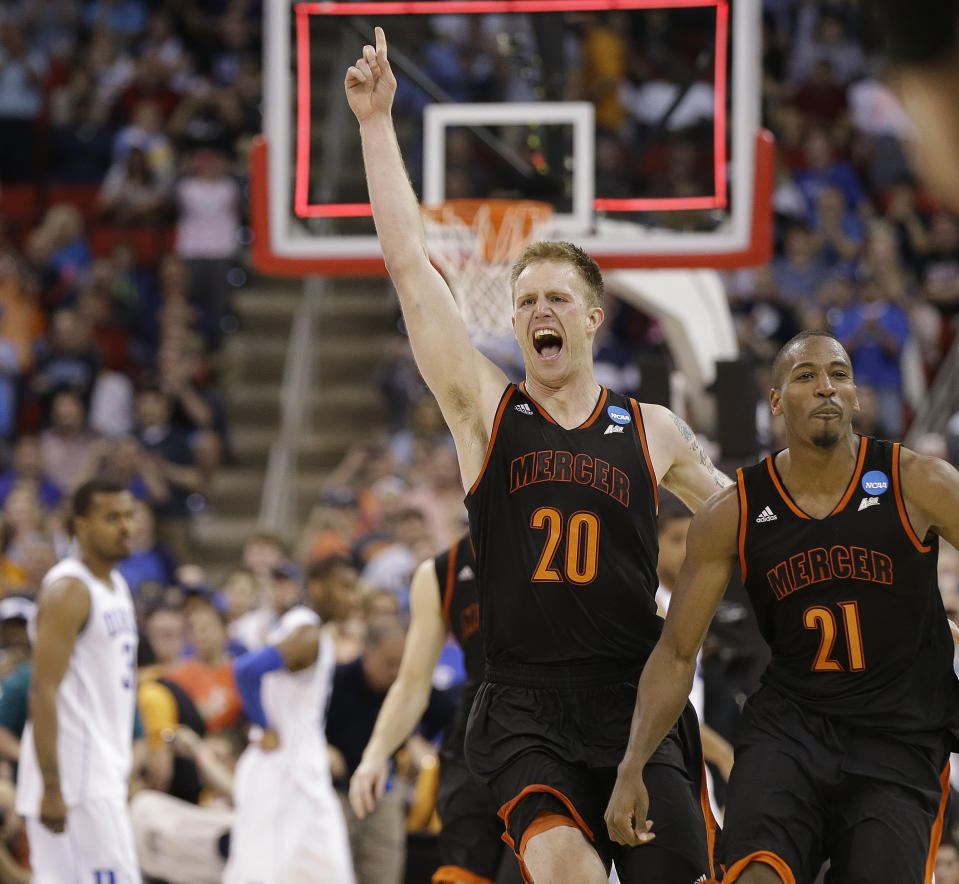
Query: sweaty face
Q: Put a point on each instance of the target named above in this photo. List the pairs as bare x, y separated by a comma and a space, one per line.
552, 319
816, 393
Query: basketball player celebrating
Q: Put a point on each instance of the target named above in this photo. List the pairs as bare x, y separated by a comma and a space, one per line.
443, 596
842, 753
289, 826
77, 745
562, 477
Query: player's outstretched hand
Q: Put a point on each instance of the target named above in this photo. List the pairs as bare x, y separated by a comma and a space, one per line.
954, 629
367, 786
370, 84
626, 813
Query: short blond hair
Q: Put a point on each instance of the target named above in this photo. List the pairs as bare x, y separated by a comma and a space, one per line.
563, 252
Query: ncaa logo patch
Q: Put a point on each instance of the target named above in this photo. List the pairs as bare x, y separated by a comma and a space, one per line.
618, 415
875, 482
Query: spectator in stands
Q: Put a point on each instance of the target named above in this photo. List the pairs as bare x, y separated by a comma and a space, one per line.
839, 233
130, 193
27, 469
821, 169
262, 552
284, 591
237, 596
165, 632
207, 677
207, 236
825, 40
68, 362
874, 331
207, 118
59, 251
68, 443
947, 863
127, 18
392, 565
145, 131
799, 271
21, 102
378, 842
174, 455
149, 561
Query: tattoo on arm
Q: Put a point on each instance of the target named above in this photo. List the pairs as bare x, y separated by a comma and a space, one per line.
721, 479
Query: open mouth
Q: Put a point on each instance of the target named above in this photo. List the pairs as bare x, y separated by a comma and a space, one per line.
547, 343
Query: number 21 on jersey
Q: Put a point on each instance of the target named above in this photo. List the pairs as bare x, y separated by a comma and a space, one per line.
579, 535
822, 618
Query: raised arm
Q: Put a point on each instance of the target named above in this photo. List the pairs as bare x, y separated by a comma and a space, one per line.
63, 611
466, 384
409, 694
711, 550
680, 463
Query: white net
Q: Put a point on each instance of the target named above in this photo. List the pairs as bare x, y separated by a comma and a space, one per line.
474, 243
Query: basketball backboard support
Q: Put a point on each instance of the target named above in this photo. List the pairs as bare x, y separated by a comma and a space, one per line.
283, 208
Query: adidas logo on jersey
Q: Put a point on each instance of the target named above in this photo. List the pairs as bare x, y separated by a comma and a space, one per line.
612, 428
867, 502
767, 515
523, 408
466, 573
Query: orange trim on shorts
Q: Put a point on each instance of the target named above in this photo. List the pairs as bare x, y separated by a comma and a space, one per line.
743, 513
854, 482
492, 436
450, 581
936, 835
641, 428
712, 827
782, 491
777, 863
901, 505
543, 822
458, 875
507, 809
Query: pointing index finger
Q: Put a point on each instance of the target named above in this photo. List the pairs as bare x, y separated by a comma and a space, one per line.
380, 41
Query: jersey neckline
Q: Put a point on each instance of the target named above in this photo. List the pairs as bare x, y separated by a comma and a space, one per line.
843, 501
600, 402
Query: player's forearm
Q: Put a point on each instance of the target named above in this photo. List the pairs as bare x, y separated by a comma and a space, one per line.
663, 690
9, 745
396, 210
43, 714
401, 711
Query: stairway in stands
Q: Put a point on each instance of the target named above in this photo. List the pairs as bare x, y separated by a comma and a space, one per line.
354, 321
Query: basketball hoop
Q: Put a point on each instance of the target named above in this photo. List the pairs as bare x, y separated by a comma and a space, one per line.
474, 242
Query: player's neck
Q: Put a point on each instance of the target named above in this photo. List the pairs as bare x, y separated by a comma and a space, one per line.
98, 566
811, 466
569, 404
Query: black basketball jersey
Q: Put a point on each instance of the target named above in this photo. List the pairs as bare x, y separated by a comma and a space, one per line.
563, 524
459, 596
849, 604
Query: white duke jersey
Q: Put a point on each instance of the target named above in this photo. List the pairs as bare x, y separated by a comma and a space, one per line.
95, 700
295, 704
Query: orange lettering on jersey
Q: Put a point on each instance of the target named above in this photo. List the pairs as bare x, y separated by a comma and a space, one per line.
837, 563
469, 621
563, 466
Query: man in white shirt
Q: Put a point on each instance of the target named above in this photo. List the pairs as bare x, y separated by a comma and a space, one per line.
77, 746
